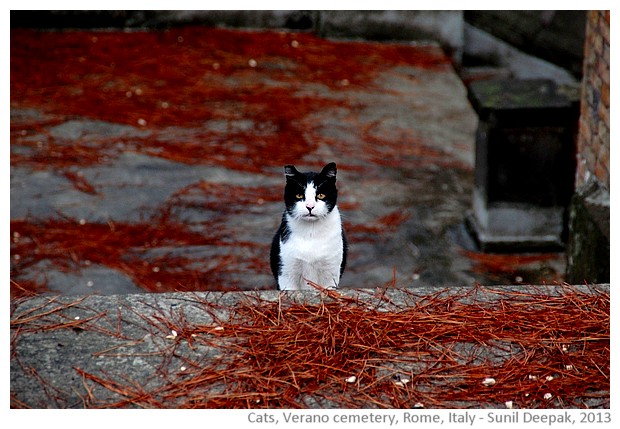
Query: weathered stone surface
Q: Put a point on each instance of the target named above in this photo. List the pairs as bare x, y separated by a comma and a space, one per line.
525, 163
61, 344
589, 243
557, 36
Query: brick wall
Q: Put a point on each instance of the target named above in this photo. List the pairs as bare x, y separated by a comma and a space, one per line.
593, 140
588, 250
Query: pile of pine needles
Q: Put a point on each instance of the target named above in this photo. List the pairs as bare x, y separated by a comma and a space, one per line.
477, 347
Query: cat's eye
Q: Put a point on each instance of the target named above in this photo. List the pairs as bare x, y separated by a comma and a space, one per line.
299, 196
320, 196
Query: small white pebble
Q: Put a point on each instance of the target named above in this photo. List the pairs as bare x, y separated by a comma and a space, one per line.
165, 104
418, 405
509, 405
548, 396
90, 283
252, 62
351, 379
532, 377
82, 221
295, 44
141, 122
569, 367
518, 279
401, 381
488, 381
549, 378
138, 91
155, 269
218, 328
183, 368
77, 317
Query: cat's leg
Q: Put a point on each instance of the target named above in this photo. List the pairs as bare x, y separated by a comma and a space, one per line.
285, 283
332, 282
291, 277
332, 273
327, 279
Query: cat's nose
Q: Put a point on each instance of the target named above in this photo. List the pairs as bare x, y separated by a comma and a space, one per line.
309, 205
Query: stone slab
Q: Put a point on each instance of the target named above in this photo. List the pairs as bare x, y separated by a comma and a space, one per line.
127, 338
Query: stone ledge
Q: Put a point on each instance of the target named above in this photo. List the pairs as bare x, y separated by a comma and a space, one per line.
77, 351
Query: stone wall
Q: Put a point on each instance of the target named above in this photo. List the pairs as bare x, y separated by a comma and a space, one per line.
556, 36
588, 253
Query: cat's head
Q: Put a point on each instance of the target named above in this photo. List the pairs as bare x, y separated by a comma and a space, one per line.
310, 196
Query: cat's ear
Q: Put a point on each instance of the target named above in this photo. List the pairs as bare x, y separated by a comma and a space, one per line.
329, 170
290, 171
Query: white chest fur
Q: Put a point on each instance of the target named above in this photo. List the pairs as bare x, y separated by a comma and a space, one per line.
312, 252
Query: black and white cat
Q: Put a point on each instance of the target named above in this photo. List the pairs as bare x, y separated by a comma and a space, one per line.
310, 244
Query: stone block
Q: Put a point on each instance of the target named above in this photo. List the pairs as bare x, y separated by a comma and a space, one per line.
588, 257
525, 163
